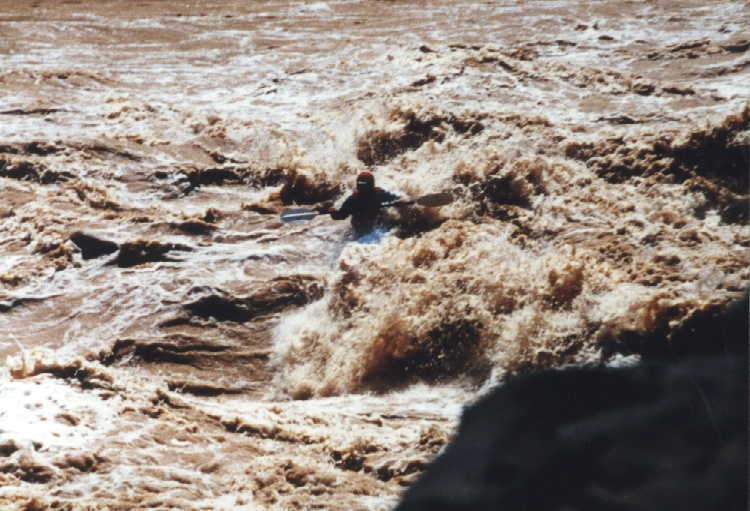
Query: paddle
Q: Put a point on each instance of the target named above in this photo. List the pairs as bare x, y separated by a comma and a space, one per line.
432, 200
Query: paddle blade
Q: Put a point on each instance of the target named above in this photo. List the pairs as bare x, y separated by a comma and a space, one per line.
296, 215
433, 200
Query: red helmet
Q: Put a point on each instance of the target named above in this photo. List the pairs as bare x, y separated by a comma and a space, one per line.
365, 181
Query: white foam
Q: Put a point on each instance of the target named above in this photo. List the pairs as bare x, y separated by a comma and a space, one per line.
32, 410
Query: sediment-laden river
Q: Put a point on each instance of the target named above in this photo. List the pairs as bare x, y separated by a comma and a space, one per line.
172, 344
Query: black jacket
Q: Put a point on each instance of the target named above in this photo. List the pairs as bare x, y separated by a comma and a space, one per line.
364, 209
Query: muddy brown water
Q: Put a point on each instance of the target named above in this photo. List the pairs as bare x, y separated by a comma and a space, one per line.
198, 353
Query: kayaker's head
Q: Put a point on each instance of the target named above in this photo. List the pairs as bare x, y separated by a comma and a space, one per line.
365, 183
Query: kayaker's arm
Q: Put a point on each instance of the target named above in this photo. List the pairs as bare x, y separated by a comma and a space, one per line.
344, 211
388, 198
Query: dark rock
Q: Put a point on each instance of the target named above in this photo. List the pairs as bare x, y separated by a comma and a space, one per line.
626, 439
92, 246
659, 436
134, 253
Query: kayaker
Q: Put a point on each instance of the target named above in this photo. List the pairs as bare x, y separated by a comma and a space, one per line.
364, 205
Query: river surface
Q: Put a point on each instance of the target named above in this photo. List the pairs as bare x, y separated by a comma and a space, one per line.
169, 343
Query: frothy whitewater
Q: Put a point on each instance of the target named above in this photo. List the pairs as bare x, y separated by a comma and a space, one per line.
171, 344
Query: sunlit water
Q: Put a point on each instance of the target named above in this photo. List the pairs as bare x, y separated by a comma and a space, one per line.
244, 363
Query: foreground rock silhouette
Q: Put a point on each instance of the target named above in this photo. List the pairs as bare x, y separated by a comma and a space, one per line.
664, 435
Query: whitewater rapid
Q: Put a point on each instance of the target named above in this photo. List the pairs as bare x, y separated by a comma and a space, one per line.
169, 343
